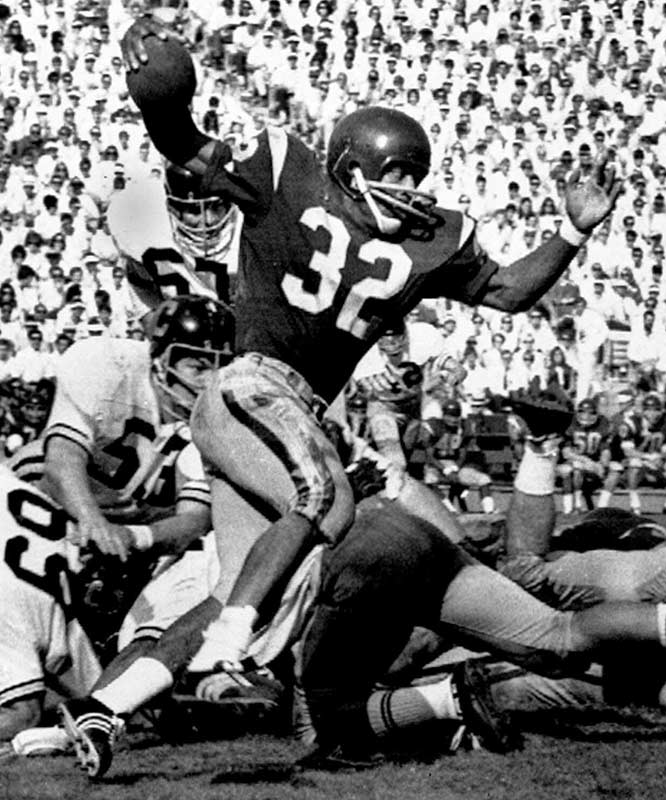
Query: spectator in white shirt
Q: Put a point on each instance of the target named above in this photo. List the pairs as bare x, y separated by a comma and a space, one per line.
6, 360
646, 350
31, 363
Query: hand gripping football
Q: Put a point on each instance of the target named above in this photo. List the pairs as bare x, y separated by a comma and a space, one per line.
167, 77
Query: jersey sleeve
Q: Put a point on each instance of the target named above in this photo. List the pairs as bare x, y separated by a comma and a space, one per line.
191, 482
468, 271
80, 380
252, 182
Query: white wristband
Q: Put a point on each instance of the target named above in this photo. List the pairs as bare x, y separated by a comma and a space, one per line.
143, 536
570, 233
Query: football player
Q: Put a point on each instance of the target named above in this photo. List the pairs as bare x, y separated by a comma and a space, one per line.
325, 260
119, 423
176, 238
647, 460
41, 639
585, 454
455, 457
391, 376
63, 604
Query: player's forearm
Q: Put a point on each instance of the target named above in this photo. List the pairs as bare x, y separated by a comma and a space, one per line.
175, 135
174, 534
66, 478
518, 286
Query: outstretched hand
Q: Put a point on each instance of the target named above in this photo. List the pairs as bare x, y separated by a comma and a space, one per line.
589, 201
132, 44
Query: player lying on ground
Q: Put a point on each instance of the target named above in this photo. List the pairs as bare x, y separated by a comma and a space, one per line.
391, 573
326, 260
61, 602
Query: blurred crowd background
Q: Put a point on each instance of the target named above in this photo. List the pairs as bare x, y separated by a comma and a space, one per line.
514, 96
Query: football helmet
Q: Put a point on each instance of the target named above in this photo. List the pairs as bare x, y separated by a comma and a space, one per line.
451, 414
203, 224
368, 143
393, 342
190, 336
653, 408
587, 413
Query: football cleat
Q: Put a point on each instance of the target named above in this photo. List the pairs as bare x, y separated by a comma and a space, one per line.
483, 719
545, 414
93, 729
258, 686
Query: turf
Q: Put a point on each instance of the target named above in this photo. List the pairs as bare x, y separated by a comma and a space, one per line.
602, 761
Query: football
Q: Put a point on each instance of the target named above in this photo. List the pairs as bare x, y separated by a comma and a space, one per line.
167, 77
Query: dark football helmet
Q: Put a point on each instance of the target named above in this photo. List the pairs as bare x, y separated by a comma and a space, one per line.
451, 414
653, 408
587, 413
393, 342
190, 336
203, 225
368, 143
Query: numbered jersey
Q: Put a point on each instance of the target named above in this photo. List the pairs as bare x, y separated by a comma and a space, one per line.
105, 403
156, 267
589, 441
314, 286
652, 438
41, 641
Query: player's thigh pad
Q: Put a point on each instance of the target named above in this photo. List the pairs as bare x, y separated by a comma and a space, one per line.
258, 434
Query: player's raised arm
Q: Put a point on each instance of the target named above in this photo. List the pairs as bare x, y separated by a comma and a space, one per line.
161, 81
588, 202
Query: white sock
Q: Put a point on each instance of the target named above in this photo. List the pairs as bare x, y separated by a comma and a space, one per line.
604, 498
140, 682
634, 501
536, 473
442, 698
488, 505
567, 503
226, 639
578, 499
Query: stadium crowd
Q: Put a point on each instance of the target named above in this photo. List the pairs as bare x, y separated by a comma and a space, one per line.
513, 96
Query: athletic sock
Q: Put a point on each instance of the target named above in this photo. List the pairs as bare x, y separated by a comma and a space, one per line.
634, 501
140, 682
402, 708
604, 498
567, 503
578, 499
536, 473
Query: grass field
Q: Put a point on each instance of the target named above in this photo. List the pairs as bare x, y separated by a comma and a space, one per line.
601, 760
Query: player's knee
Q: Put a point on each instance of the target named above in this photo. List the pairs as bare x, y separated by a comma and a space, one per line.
565, 470
616, 467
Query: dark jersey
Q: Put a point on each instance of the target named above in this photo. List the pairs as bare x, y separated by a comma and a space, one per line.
314, 286
652, 438
589, 441
624, 429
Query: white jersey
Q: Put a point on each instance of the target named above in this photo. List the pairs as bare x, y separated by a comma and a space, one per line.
105, 403
41, 641
156, 267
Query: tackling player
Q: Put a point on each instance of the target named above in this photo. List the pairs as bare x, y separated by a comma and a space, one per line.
326, 259
176, 239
